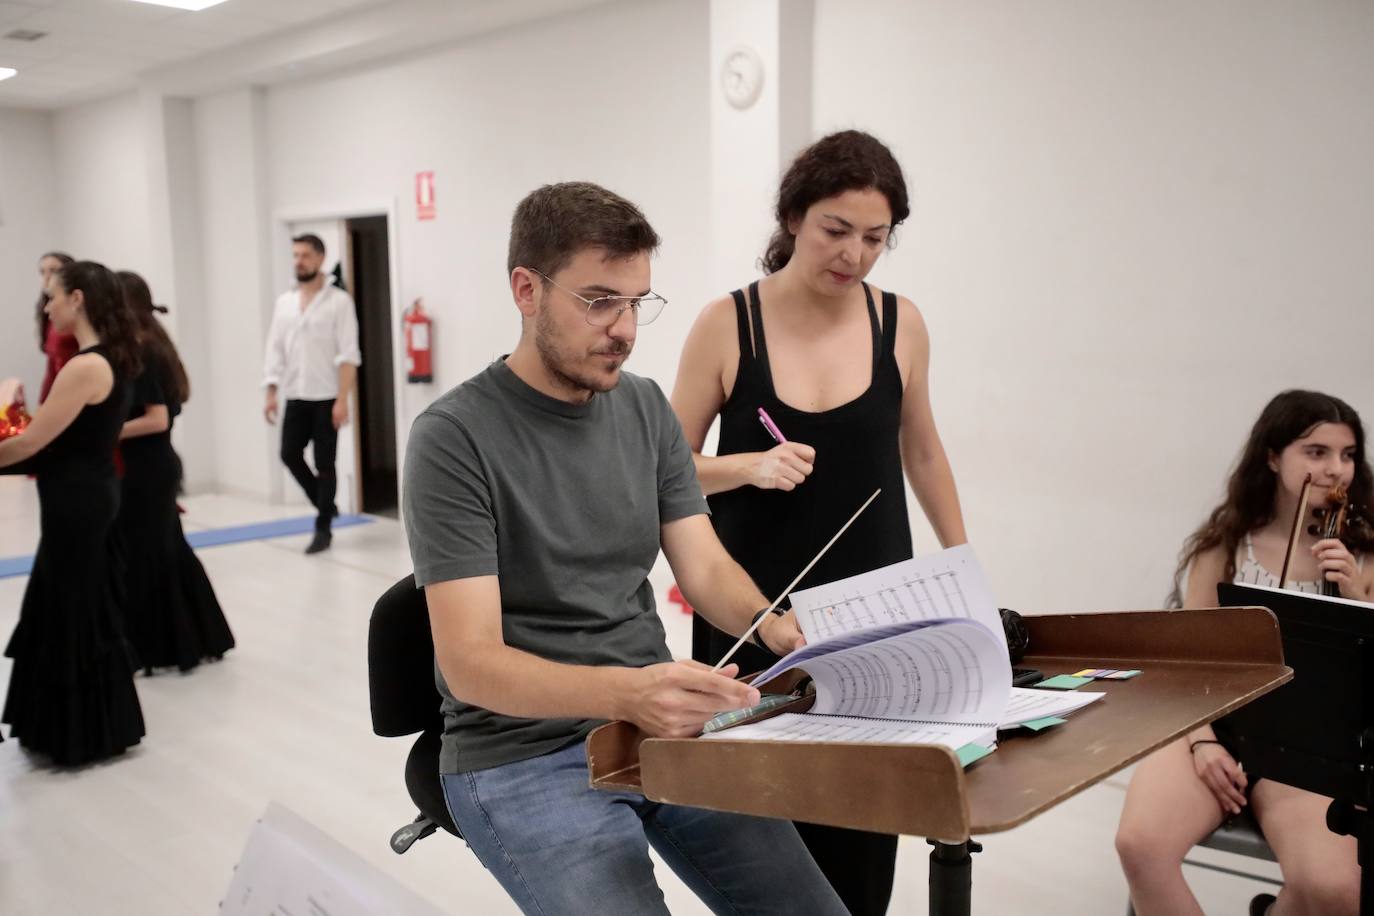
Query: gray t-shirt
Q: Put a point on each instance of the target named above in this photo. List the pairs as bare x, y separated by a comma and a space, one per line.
563, 503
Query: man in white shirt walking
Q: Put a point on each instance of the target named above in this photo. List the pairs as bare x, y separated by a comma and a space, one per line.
313, 357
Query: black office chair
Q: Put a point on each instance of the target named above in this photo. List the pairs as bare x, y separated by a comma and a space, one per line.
400, 683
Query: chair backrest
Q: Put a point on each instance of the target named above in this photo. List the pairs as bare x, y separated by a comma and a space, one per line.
400, 663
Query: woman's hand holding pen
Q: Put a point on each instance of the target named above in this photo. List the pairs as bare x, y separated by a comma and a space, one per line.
782, 467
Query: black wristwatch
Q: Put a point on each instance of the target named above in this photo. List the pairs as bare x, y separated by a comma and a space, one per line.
757, 636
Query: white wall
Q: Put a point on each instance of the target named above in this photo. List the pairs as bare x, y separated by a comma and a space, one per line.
493, 119
614, 95
234, 230
28, 227
747, 149
174, 272
102, 181
1133, 224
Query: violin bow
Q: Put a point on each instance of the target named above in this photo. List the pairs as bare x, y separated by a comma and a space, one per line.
785, 592
1297, 527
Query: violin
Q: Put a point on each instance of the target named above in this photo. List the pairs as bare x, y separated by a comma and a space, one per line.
1339, 519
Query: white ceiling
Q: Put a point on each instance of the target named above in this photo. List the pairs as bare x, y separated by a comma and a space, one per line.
95, 48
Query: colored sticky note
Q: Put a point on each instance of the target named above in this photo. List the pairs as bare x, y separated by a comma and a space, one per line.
1064, 682
971, 752
1107, 674
1039, 725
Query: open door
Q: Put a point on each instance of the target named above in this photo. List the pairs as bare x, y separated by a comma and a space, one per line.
357, 258
370, 275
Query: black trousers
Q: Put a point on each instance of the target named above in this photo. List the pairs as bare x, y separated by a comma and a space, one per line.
312, 422
860, 865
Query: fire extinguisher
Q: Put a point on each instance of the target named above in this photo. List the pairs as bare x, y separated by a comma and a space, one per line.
417, 326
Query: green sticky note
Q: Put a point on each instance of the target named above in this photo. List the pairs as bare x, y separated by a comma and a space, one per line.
1124, 675
1038, 725
972, 752
1065, 682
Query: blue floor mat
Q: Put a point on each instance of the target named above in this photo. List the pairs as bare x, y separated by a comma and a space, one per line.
216, 537
15, 566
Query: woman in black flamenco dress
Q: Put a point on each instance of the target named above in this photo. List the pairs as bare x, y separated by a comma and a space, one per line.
170, 608
71, 692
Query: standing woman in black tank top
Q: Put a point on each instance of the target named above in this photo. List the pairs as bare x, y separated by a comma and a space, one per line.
71, 693
841, 368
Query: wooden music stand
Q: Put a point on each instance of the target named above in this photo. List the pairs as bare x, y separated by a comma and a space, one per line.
1198, 665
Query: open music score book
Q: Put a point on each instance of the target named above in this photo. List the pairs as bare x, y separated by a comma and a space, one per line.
913, 653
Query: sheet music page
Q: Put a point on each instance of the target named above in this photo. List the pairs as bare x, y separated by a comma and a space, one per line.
834, 644
1027, 704
954, 672
947, 584
791, 726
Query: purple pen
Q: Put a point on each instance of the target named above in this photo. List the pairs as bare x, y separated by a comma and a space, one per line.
772, 427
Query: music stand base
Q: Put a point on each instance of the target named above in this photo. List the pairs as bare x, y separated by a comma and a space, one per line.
951, 877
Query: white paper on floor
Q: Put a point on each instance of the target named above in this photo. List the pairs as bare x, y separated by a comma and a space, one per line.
292, 868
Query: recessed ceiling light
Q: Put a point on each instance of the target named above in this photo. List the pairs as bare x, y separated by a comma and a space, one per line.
7, 72
193, 5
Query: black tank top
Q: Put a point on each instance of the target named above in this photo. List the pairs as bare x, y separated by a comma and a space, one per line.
773, 533
85, 449
148, 389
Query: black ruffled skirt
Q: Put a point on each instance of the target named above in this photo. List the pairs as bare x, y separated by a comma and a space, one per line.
170, 609
71, 693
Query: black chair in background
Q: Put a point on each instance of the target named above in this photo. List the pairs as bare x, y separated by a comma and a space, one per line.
404, 699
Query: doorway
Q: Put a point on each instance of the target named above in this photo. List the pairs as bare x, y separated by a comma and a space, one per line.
370, 270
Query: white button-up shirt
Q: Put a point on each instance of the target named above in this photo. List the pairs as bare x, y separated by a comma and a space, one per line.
306, 348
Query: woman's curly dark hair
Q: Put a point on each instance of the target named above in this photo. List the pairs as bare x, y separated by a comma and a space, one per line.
107, 312
850, 160
153, 337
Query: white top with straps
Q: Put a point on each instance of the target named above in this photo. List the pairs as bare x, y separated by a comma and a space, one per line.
1249, 571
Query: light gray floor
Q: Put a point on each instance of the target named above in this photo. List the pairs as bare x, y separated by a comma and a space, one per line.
285, 717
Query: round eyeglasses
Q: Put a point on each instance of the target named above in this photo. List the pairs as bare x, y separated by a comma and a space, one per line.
604, 311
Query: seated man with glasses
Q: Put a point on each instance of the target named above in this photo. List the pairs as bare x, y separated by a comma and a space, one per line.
537, 496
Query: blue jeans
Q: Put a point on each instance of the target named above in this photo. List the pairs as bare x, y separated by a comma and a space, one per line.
561, 848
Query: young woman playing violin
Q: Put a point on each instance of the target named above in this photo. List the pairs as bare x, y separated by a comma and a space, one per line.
1183, 792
